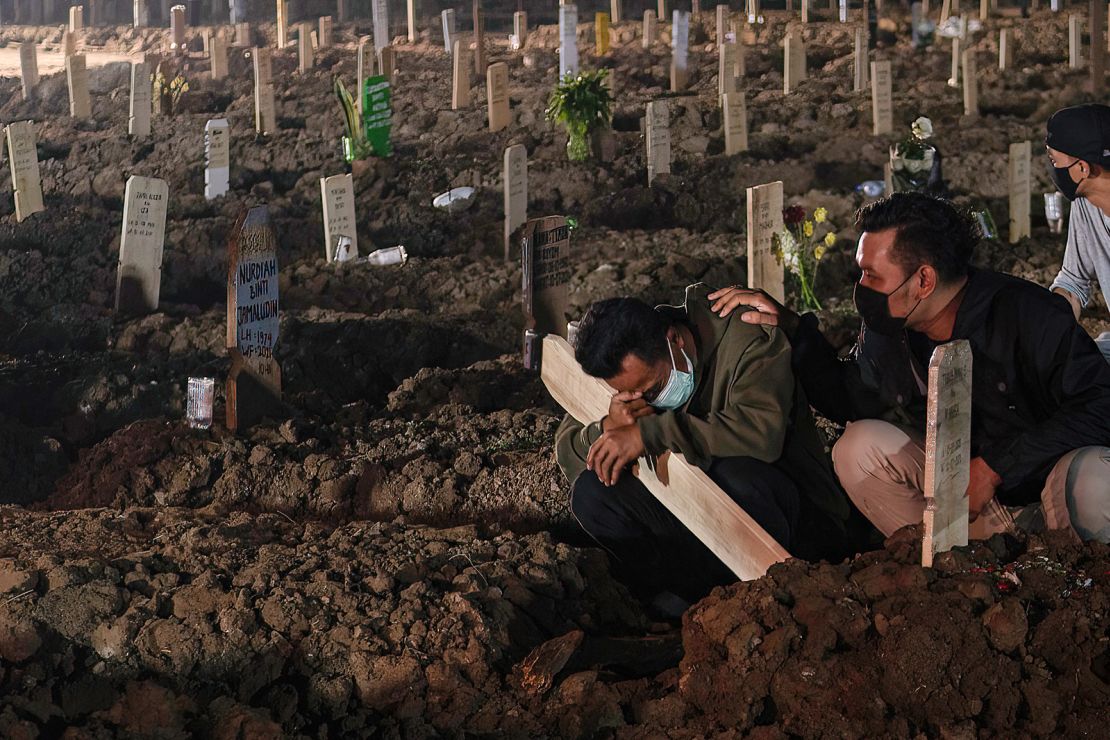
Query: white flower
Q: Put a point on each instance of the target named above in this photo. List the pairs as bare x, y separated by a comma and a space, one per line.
922, 128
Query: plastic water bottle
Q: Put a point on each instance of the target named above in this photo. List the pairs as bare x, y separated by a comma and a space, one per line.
202, 392
388, 256
871, 188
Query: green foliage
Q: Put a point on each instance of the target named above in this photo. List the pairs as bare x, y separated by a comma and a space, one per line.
581, 104
358, 145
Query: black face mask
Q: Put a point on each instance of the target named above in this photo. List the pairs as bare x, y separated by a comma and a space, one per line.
1062, 177
874, 309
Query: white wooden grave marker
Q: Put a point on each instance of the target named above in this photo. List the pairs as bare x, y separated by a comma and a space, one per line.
520, 28
728, 59
616, 14
139, 277
735, 122
650, 29
337, 193
882, 106
380, 12
253, 319
282, 25
1020, 189
23, 159
217, 156
410, 16
448, 19
947, 450
568, 41
28, 67
658, 125
862, 61
1005, 50
515, 187
217, 53
765, 270
460, 79
77, 80
497, 95
177, 29
138, 119
794, 62
680, 49
306, 60
1075, 41
265, 111
971, 84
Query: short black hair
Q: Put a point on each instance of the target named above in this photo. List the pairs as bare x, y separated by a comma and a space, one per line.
931, 231
614, 328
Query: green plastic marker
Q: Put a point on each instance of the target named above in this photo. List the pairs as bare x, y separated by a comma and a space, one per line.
377, 114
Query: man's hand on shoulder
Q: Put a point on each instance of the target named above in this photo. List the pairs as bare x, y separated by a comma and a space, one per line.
981, 487
624, 409
765, 309
613, 452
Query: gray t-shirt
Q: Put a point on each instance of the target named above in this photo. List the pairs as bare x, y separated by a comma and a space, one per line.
1087, 258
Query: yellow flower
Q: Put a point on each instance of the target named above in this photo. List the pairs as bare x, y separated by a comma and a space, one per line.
807, 229
830, 239
820, 215
819, 252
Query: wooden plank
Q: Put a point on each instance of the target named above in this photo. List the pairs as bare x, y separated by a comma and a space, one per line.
688, 492
947, 450
1021, 155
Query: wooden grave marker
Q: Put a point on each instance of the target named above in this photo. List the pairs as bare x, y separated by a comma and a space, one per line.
658, 139
735, 117
661, 9
410, 18
687, 492
139, 276
650, 29
1097, 32
1021, 188
265, 109
1075, 41
722, 25
616, 11
862, 58
306, 60
680, 50
971, 84
520, 28
253, 314
568, 41
139, 110
380, 16
954, 80
479, 38
387, 62
765, 270
217, 54
460, 79
140, 16
243, 35
794, 62
282, 39
882, 105
324, 31
364, 67
76, 18
497, 96
28, 67
23, 158
728, 59
77, 80
217, 158
546, 270
337, 195
1005, 50
947, 450
601, 33
448, 19
515, 189
69, 44
177, 29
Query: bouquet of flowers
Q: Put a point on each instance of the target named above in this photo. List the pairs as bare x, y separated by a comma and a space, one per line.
581, 104
168, 89
912, 159
801, 246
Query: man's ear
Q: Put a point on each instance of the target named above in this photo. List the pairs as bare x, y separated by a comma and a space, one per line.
927, 280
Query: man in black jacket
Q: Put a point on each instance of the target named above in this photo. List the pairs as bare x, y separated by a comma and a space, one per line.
1040, 387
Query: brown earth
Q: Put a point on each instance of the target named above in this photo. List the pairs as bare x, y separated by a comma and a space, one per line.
383, 558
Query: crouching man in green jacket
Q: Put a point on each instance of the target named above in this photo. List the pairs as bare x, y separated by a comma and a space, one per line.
720, 392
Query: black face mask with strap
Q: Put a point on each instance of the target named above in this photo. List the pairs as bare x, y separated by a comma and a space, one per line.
874, 308
1061, 176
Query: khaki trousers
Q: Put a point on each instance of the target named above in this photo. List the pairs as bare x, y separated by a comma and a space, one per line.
882, 468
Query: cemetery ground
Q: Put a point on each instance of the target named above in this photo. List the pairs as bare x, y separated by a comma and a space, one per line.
395, 554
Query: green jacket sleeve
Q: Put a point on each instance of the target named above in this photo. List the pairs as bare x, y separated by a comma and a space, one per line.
572, 443
752, 420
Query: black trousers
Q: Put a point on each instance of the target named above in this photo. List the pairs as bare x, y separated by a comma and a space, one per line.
654, 551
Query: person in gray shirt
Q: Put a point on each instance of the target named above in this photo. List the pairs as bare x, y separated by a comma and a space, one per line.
1078, 145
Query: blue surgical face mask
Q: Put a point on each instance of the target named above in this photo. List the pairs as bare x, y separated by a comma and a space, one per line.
679, 386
